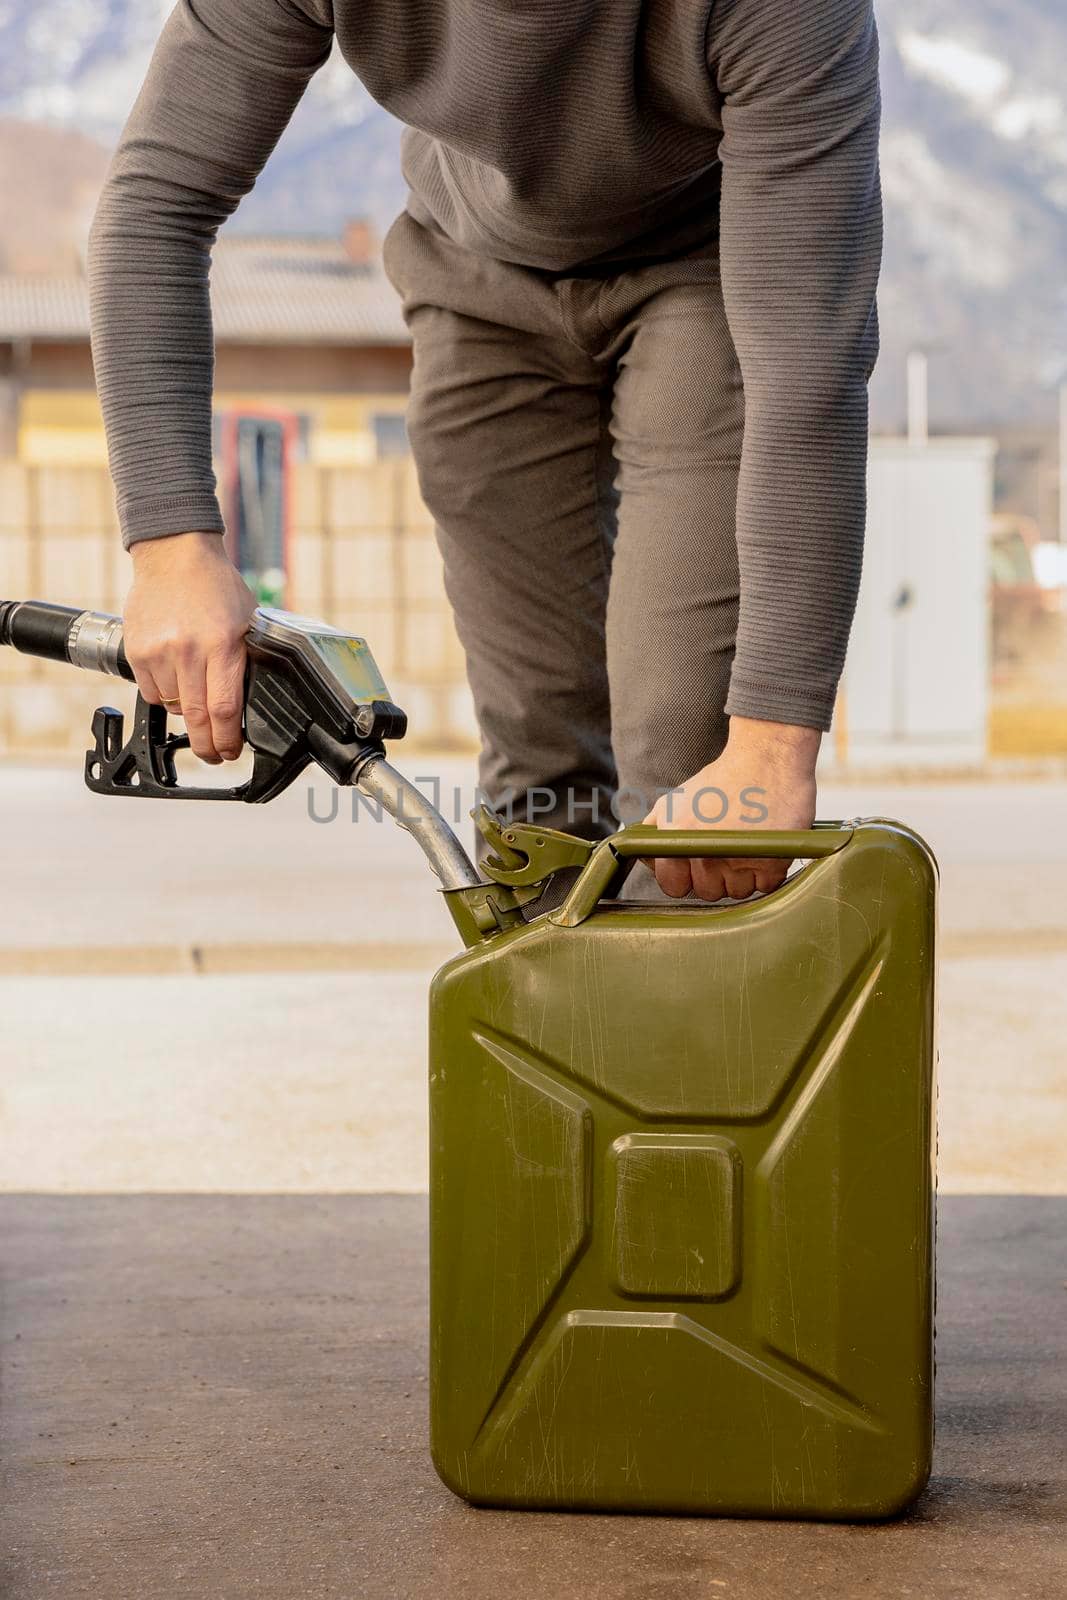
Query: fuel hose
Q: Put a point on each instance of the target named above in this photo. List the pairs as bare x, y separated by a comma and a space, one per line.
89, 639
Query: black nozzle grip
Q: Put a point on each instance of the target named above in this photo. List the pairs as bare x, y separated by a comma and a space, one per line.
37, 628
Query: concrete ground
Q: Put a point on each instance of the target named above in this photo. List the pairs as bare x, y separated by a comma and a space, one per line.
225, 1398
233, 998
311, 1082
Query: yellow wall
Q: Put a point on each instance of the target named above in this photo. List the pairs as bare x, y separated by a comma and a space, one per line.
362, 554
64, 428
61, 428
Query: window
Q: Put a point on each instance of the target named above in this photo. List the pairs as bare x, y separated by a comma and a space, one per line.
390, 434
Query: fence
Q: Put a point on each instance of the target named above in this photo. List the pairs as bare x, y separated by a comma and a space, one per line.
362, 554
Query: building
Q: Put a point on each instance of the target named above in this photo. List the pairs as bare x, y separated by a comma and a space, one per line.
318, 489
306, 329
324, 515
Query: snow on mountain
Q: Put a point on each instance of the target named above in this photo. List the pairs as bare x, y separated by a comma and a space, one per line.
974, 169
974, 157
959, 67
76, 62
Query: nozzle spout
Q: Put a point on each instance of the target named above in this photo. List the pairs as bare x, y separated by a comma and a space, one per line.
412, 811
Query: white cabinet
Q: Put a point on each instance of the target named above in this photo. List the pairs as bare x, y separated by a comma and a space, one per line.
916, 679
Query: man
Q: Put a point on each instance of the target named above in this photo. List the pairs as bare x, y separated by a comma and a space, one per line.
638, 261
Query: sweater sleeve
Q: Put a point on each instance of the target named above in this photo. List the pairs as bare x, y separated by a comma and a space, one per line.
801, 240
222, 84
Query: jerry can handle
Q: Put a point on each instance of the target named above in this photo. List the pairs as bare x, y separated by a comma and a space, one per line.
824, 839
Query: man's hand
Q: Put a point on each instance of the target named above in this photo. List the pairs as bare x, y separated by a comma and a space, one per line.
765, 778
184, 625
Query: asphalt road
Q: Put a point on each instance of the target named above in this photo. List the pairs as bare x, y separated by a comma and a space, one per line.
109, 879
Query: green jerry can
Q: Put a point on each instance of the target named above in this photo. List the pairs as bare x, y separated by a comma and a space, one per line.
682, 1156
682, 1184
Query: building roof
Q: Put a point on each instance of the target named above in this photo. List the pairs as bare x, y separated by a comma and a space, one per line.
263, 291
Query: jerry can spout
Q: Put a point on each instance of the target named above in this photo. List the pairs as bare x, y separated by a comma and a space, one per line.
480, 909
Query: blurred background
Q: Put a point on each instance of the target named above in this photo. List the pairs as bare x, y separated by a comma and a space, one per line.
953, 713
959, 654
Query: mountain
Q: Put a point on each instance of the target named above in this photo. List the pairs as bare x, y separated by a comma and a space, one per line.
974, 170
974, 165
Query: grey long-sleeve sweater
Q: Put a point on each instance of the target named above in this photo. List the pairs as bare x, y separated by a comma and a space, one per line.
554, 133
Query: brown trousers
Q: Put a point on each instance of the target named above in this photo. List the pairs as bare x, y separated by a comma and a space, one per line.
577, 439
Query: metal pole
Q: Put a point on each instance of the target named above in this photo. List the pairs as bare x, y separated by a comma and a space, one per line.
1063, 462
918, 401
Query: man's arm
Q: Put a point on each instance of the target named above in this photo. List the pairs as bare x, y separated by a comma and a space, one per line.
801, 237
223, 82
800, 250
